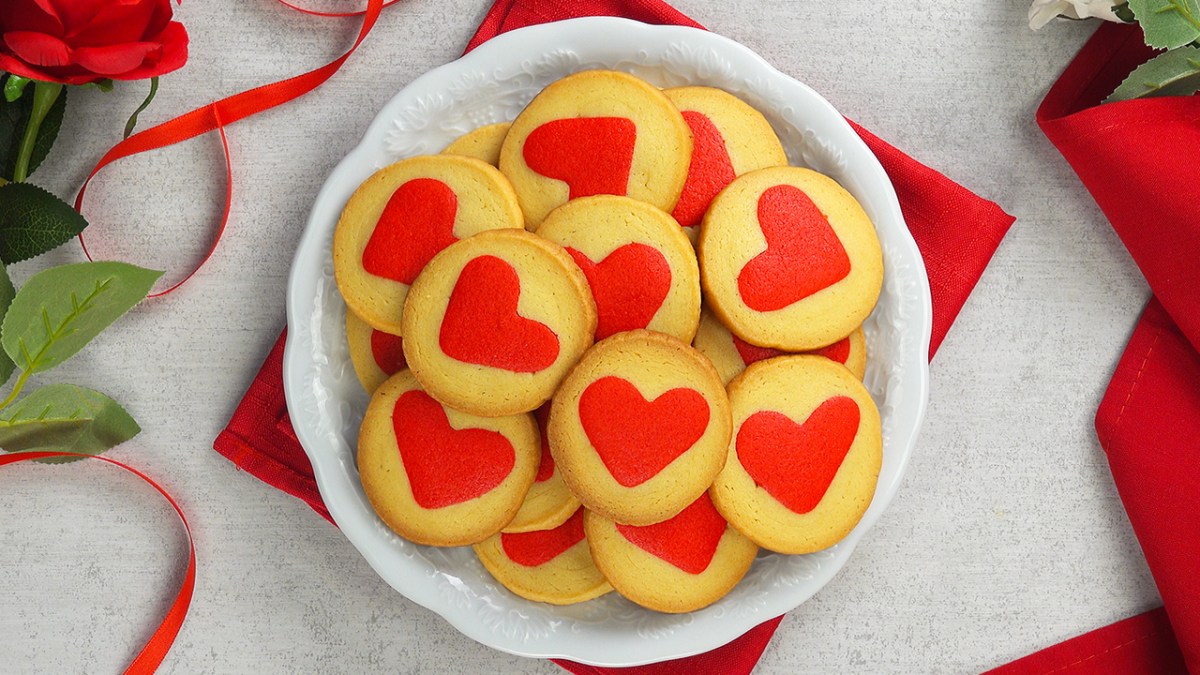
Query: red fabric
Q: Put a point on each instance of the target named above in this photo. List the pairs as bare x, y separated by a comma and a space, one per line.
957, 232
1138, 159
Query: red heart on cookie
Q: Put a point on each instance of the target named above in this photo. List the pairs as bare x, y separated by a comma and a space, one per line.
710, 170
532, 549
636, 438
388, 351
546, 467
417, 222
688, 541
482, 326
592, 155
446, 466
629, 286
796, 463
803, 256
753, 353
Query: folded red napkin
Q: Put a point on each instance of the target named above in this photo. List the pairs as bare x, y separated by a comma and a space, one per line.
956, 230
1138, 159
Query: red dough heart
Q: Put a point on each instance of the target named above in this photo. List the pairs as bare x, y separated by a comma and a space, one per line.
446, 466
532, 549
592, 155
629, 286
546, 468
803, 256
795, 463
688, 541
482, 326
709, 171
388, 351
417, 222
838, 351
636, 438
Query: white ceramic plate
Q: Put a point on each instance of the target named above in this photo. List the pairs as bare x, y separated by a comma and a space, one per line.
492, 84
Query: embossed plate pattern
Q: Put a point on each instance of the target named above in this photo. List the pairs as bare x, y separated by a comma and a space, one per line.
492, 84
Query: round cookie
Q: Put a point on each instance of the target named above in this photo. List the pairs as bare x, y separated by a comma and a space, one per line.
731, 354
549, 502
482, 143
789, 259
805, 454
596, 132
640, 427
495, 321
404, 214
439, 476
641, 268
729, 138
553, 565
679, 565
376, 355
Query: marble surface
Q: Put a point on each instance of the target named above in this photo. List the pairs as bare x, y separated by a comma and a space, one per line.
1006, 536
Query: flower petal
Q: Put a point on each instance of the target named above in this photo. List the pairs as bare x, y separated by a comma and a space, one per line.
77, 13
174, 40
30, 15
38, 49
116, 60
68, 75
114, 24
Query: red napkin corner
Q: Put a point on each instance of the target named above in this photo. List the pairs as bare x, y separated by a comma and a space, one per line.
956, 231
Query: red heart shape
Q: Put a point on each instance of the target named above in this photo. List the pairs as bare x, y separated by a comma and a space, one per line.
709, 171
592, 155
688, 541
795, 463
388, 351
481, 324
838, 351
532, 549
635, 438
803, 256
417, 222
446, 466
546, 467
629, 286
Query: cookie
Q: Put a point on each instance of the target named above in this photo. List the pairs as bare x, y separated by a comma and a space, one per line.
596, 132
375, 354
731, 354
729, 138
640, 427
641, 268
495, 321
439, 476
553, 566
548, 502
679, 565
805, 454
788, 259
482, 143
404, 214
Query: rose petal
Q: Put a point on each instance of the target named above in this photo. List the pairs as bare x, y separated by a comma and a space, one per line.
69, 75
77, 13
38, 49
116, 60
37, 16
113, 25
174, 40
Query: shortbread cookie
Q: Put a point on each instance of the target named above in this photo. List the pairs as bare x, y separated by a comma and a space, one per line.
375, 354
640, 427
641, 268
549, 502
553, 565
494, 322
404, 214
731, 354
596, 132
679, 565
789, 259
482, 143
439, 476
729, 138
805, 454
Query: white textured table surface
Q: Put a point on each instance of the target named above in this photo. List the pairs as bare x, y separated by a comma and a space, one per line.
1007, 534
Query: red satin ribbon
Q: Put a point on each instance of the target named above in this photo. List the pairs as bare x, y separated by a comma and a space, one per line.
156, 649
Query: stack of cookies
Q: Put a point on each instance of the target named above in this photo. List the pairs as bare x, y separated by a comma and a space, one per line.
615, 344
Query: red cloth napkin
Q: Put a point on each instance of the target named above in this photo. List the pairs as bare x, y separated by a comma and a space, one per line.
1139, 159
956, 230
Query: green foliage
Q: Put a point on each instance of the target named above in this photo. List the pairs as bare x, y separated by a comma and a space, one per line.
1172, 73
1168, 24
65, 418
33, 221
14, 115
6, 295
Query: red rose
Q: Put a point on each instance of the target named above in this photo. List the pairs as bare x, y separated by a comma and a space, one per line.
80, 41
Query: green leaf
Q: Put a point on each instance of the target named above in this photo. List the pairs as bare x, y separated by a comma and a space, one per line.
33, 221
133, 119
1168, 23
59, 310
6, 295
65, 418
14, 86
13, 118
1172, 73
1123, 12
105, 85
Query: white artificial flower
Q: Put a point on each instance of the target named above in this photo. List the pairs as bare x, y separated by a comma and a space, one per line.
1042, 11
